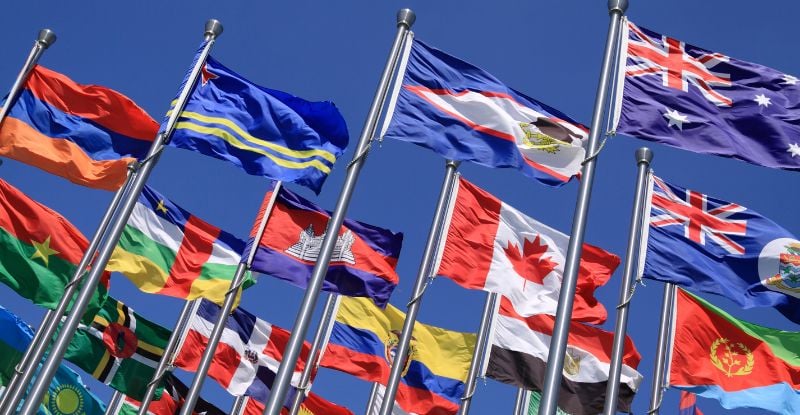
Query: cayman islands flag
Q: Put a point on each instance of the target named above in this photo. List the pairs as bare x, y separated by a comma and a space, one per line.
710, 245
464, 113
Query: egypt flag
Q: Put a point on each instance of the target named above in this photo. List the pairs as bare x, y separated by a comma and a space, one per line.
166, 250
493, 247
170, 402
312, 405
520, 348
119, 348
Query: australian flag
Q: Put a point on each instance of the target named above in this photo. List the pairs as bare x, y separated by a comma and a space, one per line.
723, 248
690, 98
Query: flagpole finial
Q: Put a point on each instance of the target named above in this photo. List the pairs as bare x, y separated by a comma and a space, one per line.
406, 17
617, 5
46, 38
213, 28
644, 155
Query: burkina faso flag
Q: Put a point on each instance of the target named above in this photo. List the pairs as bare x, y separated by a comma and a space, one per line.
119, 348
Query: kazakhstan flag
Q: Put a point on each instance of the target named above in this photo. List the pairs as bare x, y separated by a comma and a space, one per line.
264, 131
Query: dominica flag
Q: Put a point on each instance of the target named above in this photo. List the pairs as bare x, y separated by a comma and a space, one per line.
119, 348
166, 250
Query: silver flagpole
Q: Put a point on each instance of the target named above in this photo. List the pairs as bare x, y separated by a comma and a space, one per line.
280, 387
227, 307
213, 29
113, 404
558, 343
238, 405
519, 403
656, 393
45, 39
320, 338
419, 286
169, 355
643, 158
373, 395
481, 345
29, 364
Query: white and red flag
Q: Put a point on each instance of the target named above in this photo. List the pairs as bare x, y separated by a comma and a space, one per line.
493, 247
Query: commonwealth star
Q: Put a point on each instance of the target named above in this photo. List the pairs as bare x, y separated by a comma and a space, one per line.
675, 118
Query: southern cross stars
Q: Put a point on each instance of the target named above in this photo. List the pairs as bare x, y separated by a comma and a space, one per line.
675, 118
789, 80
762, 100
794, 148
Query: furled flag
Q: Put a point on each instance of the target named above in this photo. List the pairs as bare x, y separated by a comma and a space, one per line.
520, 346
170, 402
248, 355
119, 348
709, 245
740, 364
702, 101
87, 134
688, 404
493, 247
67, 395
534, 400
312, 405
363, 261
464, 113
364, 340
263, 131
166, 250
40, 251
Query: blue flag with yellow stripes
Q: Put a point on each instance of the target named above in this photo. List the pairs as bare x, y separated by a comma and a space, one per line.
264, 131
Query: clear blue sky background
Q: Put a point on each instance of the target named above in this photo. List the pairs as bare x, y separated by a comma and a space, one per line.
325, 50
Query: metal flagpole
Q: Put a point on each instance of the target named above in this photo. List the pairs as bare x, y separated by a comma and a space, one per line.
227, 307
661, 353
477, 356
558, 343
29, 364
373, 395
280, 387
519, 403
113, 404
643, 158
424, 272
213, 29
238, 405
314, 356
45, 39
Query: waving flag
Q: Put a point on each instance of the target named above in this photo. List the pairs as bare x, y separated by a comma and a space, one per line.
87, 134
493, 247
363, 262
464, 113
702, 101
171, 401
688, 404
709, 245
263, 131
312, 405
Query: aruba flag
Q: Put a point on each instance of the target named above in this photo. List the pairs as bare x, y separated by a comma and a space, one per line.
363, 343
87, 134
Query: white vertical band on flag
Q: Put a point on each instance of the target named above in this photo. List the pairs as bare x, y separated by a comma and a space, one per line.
448, 216
398, 83
489, 336
326, 339
622, 60
648, 206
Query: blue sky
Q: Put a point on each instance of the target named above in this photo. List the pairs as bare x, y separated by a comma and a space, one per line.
335, 51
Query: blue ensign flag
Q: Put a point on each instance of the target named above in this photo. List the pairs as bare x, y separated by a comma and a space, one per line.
264, 131
690, 98
718, 247
464, 113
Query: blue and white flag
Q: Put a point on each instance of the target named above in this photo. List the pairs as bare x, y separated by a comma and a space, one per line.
723, 248
464, 113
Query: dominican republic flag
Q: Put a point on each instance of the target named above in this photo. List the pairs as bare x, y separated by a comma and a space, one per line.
247, 356
493, 247
687, 97
519, 348
363, 261
713, 246
464, 113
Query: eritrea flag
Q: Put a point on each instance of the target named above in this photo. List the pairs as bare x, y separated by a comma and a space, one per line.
740, 364
40, 250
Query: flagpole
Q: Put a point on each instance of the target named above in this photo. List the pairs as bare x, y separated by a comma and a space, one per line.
227, 306
661, 353
113, 404
558, 343
480, 351
373, 395
169, 355
238, 405
519, 403
423, 274
213, 29
314, 356
643, 158
280, 387
29, 364
45, 39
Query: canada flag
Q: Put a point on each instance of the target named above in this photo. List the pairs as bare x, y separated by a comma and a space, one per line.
493, 247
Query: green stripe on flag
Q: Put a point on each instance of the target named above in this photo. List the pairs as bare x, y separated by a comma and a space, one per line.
536, 399
137, 242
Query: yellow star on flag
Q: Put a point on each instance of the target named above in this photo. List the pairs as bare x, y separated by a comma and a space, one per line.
162, 207
43, 251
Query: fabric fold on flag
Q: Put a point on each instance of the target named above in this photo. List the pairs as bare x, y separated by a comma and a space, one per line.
312, 405
171, 401
688, 404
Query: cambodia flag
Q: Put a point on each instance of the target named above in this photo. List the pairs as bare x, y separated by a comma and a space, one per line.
87, 134
363, 262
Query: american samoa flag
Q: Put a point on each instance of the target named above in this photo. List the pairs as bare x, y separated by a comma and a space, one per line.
464, 113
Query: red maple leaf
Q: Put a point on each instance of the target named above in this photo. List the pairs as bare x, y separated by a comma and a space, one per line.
531, 263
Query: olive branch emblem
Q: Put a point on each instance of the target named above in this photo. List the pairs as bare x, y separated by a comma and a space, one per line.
726, 359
